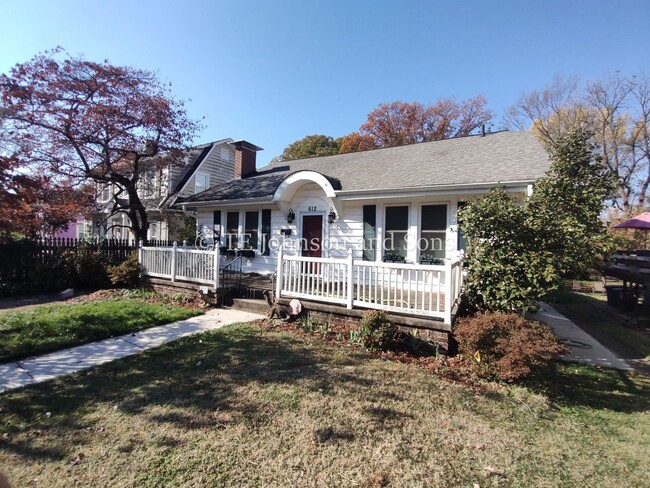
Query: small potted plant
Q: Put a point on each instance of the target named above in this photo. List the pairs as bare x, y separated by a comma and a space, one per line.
393, 257
430, 259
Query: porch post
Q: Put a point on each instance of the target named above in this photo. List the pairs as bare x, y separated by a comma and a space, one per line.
141, 257
215, 271
278, 283
173, 262
350, 285
448, 290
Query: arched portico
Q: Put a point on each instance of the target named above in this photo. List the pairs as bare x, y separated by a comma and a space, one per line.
292, 183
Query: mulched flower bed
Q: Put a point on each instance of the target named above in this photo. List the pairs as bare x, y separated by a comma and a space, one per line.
177, 300
456, 369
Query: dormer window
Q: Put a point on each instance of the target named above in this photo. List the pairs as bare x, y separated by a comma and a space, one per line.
201, 182
105, 193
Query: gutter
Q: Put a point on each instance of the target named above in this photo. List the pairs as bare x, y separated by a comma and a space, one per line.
522, 185
425, 190
224, 203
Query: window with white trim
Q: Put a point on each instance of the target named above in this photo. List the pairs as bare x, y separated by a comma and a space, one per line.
104, 192
232, 230
201, 182
433, 232
148, 183
251, 230
396, 225
225, 154
254, 234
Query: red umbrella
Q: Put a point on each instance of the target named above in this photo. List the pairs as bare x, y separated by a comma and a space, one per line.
641, 221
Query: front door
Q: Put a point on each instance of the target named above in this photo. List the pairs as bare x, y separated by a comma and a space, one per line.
312, 235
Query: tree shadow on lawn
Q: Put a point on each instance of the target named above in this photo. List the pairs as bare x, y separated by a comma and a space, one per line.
198, 380
576, 385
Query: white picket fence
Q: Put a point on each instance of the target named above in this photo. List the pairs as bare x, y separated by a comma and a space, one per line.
180, 264
426, 290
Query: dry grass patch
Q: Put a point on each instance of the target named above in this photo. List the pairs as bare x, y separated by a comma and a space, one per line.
244, 406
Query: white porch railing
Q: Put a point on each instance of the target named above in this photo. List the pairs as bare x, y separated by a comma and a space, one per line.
174, 263
425, 290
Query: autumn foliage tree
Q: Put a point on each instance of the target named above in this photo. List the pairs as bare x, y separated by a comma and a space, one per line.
17, 194
34, 204
399, 123
615, 109
354, 142
80, 120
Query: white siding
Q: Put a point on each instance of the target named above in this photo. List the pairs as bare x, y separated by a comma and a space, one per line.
347, 230
218, 169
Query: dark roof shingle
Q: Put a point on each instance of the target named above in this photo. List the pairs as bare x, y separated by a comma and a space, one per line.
496, 157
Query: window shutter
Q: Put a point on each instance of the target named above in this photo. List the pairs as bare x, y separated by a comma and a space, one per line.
266, 232
369, 232
216, 224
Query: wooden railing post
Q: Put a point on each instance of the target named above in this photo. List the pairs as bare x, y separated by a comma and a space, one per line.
278, 284
216, 267
173, 270
448, 290
350, 279
141, 257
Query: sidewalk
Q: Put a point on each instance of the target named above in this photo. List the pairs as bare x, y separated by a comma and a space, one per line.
67, 361
584, 348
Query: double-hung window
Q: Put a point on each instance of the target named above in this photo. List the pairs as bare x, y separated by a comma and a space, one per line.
253, 235
251, 231
395, 231
433, 232
201, 182
232, 230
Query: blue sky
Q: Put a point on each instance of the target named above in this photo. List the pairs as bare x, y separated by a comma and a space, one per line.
274, 71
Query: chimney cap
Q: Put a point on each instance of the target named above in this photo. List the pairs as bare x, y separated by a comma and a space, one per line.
242, 144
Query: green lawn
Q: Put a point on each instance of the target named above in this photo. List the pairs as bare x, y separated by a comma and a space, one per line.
243, 406
48, 328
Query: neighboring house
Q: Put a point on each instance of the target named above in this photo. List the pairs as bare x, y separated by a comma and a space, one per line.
207, 165
394, 204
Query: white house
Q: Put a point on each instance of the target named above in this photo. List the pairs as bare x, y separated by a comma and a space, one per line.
371, 202
370, 229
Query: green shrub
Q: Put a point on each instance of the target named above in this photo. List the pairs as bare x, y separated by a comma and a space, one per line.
507, 346
127, 273
519, 254
376, 331
85, 267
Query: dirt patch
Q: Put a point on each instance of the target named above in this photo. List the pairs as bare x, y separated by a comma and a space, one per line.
176, 300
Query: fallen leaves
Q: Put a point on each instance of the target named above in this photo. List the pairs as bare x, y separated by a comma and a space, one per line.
77, 459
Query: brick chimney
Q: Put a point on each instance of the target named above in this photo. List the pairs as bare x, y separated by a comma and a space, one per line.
245, 158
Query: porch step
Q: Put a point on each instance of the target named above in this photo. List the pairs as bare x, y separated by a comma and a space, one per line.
250, 305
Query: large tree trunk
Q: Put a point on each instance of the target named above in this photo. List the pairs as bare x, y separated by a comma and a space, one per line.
138, 215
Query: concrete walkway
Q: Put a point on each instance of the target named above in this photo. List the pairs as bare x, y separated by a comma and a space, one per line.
584, 348
67, 361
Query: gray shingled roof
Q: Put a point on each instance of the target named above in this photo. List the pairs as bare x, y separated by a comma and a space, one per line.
497, 157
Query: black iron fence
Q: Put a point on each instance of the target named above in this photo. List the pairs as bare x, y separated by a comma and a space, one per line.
33, 266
